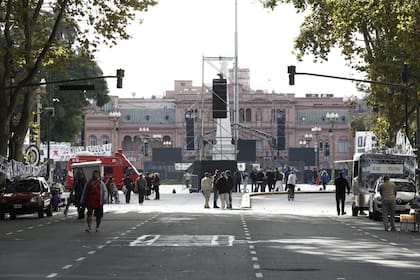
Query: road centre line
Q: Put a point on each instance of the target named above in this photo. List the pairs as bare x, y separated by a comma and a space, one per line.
67, 266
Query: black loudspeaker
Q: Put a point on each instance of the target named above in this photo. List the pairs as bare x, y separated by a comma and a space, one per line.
219, 98
190, 133
281, 131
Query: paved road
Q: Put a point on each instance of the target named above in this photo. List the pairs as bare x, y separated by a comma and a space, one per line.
176, 238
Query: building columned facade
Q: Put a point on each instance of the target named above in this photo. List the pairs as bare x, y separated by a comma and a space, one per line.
270, 123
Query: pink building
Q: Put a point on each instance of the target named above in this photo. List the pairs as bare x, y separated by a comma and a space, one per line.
182, 119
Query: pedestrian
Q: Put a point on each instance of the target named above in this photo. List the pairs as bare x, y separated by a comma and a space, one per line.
279, 177
215, 191
341, 185
156, 184
229, 180
141, 186
388, 193
253, 176
260, 181
206, 188
78, 186
270, 179
148, 186
325, 178
94, 195
245, 181
110, 189
237, 180
223, 188
128, 183
291, 184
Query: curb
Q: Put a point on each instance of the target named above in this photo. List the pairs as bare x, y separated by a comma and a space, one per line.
246, 198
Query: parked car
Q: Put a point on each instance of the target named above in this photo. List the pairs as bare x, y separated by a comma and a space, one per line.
406, 191
26, 196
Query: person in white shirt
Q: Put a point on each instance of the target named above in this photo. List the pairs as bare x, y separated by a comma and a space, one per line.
291, 183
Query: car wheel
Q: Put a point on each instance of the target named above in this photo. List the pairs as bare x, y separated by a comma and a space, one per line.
41, 213
2, 215
376, 215
12, 215
49, 211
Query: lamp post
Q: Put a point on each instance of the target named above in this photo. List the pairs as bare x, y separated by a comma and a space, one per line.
308, 139
317, 131
114, 116
41, 90
302, 143
351, 103
332, 118
144, 133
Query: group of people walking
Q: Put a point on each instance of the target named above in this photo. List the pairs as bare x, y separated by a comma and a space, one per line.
89, 196
143, 186
221, 184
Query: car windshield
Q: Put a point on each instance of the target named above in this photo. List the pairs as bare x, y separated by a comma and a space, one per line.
24, 186
405, 187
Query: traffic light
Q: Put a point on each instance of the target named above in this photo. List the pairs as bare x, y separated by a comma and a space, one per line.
219, 98
120, 76
292, 71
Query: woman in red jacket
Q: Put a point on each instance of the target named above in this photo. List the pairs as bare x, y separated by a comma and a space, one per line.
94, 195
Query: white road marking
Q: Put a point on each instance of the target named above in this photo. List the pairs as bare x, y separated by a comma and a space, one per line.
19, 230
30, 227
383, 240
259, 275
116, 237
256, 266
254, 259
9, 233
91, 252
80, 259
100, 246
374, 236
67, 266
108, 242
52, 275
253, 252
251, 247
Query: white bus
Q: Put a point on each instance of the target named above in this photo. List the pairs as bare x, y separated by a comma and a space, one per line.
368, 167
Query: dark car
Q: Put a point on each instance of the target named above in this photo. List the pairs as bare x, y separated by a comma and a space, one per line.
26, 196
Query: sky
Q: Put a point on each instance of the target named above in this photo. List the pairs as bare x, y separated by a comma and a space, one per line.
175, 35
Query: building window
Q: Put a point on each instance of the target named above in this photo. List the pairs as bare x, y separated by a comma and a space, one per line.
343, 146
105, 140
248, 115
93, 141
147, 117
241, 115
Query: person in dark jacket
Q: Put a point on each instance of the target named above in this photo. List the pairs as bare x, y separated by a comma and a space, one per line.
128, 183
141, 185
156, 184
230, 184
78, 187
223, 188
261, 180
253, 177
341, 185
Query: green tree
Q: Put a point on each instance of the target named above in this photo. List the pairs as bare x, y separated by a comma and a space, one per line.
70, 105
31, 37
376, 37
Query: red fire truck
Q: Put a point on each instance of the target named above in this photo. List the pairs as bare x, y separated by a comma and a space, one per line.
116, 166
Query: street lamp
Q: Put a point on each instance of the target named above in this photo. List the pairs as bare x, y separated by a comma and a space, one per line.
114, 116
41, 90
302, 143
332, 118
144, 133
317, 131
308, 138
351, 103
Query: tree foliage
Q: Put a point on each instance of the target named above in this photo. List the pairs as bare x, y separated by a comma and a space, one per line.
38, 33
376, 37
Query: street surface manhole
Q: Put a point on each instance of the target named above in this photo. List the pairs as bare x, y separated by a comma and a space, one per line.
183, 240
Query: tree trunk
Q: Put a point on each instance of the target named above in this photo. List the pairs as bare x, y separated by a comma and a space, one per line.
4, 132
